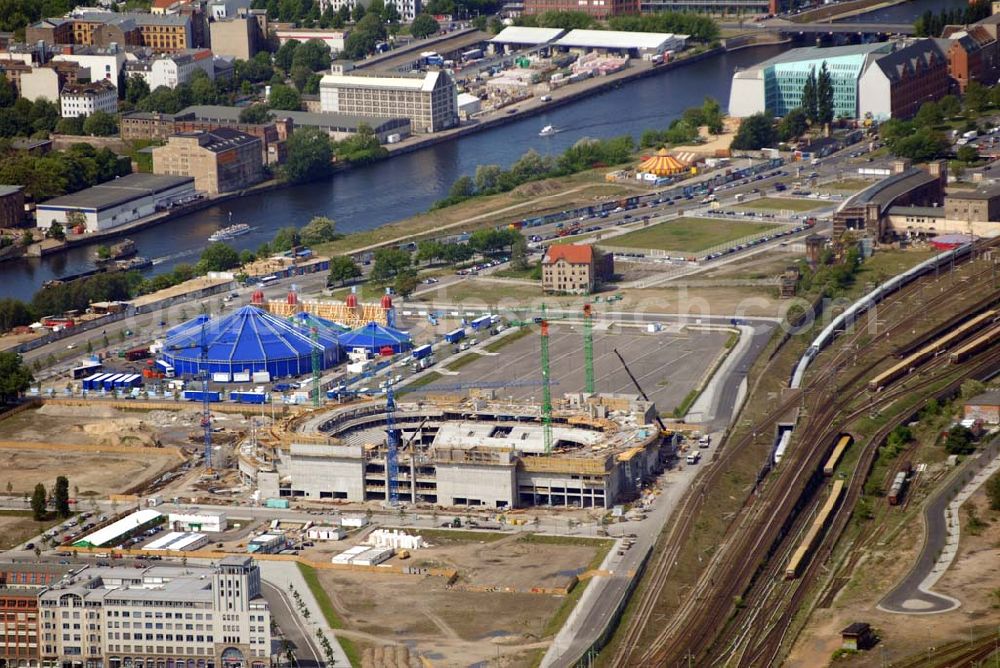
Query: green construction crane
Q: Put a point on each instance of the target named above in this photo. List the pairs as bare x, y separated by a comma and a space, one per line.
588, 349
546, 389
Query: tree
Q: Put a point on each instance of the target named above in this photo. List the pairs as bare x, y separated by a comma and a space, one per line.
424, 25
136, 88
388, 263
429, 250
310, 155
921, 145
319, 230
487, 178
218, 257
977, 97
967, 154
993, 491
406, 282
15, 378
793, 125
358, 12
810, 96
756, 132
342, 269
950, 106
284, 97
824, 96
284, 55
38, 499
959, 441
929, 115
56, 231
285, 239
256, 114
313, 55
462, 187
61, 497
100, 124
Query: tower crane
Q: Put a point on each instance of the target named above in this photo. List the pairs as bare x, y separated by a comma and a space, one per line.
206, 406
663, 427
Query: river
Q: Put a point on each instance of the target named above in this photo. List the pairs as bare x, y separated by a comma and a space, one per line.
367, 197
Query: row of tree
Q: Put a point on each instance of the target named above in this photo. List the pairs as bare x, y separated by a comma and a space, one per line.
684, 130
930, 24
585, 154
58, 499
60, 172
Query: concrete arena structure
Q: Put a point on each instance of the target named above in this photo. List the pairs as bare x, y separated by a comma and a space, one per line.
479, 452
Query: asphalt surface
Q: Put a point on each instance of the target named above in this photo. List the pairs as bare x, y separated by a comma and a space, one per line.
307, 655
913, 595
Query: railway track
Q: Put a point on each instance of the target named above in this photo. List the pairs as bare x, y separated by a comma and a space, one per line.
757, 533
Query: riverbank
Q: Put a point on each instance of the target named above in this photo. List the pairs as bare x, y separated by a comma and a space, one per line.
830, 13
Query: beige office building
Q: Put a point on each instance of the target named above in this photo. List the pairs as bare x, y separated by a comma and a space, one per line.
158, 617
220, 160
429, 100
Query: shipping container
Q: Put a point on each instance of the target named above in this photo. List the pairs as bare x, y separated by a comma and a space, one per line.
198, 395
455, 336
109, 382
241, 377
220, 377
276, 503
481, 323
86, 370
137, 354
422, 351
166, 368
261, 377
248, 397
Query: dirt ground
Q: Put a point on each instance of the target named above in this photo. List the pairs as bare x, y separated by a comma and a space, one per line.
38, 445
448, 625
17, 527
973, 578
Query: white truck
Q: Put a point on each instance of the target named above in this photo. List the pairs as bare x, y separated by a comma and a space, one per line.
693, 457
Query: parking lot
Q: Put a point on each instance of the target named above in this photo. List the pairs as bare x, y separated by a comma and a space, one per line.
668, 364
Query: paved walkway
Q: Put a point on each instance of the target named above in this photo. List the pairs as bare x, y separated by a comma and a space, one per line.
281, 574
914, 595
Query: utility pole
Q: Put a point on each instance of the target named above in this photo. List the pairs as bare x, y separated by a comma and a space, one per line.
588, 349
546, 389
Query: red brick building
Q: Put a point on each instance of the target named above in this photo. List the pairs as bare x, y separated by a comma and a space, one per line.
19, 625
575, 268
973, 55
597, 8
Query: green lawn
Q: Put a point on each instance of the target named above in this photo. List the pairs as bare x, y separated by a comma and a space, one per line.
783, 204
332, 620
689, 234
852, 185
459, 362
507, 339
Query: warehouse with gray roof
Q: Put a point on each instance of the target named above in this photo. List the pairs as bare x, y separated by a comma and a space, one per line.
118, 202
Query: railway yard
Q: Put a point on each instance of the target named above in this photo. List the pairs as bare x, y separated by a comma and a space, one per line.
700, 571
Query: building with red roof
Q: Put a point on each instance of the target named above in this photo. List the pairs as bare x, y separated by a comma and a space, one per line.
574, 268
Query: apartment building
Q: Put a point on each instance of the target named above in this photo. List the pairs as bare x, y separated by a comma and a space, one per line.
11, 206
158, 617
429, 100
241, 36
102, 62
600, 9
171, 70
83, 99
160, 32
574, 269
219, 160
20, 584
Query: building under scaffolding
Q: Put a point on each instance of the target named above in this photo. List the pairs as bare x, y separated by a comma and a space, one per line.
479, 452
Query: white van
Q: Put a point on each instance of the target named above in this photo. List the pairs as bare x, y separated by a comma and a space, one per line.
693, 457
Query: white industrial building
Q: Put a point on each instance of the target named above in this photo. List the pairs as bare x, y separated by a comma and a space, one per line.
637, 44
429, 100
332, 38
325, 533
362, 555
468, 105
521, 36
178, 541
140, 520
209, 522
83, 99
117, 202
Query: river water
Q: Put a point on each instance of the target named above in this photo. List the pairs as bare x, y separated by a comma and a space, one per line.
367, 197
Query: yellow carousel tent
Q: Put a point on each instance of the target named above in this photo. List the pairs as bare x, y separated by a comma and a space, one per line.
661, 164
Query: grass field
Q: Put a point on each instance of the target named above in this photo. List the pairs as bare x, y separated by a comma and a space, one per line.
852, 185
782, 204
689, 234
17, 526
332, 619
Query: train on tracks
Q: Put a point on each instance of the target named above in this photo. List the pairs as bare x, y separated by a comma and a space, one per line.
844, 441
976, 345
931, 350
846, 319
815, 533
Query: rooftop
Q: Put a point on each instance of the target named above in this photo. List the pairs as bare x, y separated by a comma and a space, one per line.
988, 398
424, 83
885, 192
572, 253
924, 211
114, 530
811, 53
90, 88
911, 60
526, 35
10, 190
982, 194
326, 121
617, 39
118, 191
220, 139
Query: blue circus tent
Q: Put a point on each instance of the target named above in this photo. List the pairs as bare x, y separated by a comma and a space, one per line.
249, 339
374, 337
